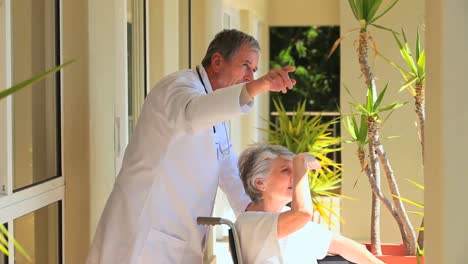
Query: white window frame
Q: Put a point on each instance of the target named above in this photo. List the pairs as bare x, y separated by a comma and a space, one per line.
17, 204
138, 16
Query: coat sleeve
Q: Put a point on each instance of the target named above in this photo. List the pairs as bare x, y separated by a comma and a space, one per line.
187, 107
231, 184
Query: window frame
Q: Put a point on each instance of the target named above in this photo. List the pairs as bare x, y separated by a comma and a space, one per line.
17, 203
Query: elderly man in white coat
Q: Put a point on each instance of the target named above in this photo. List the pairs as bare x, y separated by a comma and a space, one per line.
178, 156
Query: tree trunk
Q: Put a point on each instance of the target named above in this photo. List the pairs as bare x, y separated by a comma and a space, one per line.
410, 236
376, 247
373, 160
420, 109
378, 192
420, 105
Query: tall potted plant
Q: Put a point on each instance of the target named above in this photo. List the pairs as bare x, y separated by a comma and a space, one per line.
365, 122
414, 74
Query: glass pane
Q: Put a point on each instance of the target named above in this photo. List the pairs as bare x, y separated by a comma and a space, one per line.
38, 232
35, 121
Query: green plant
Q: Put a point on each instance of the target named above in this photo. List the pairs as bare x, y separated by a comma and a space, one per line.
414, 73
302, 132
317, 79
363, 133
4, 234
36, 78
366, 132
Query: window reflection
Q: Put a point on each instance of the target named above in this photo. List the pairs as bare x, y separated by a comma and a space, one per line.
39, 234
35, 110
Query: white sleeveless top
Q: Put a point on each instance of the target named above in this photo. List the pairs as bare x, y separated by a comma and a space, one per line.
260, 244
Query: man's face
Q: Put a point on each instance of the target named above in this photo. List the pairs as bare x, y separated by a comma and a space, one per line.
240, 69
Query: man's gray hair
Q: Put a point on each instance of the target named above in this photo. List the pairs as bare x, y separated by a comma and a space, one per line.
227, 43
255, 163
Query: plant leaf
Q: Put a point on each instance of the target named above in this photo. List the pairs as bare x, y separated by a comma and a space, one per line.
422, 65
409, 82
391, 106
381, 96
363, 130
418, 185
370, 100
418, 45
32, 80
353, 6
384, 12
420, 205
373, 9
382, 27
338, 41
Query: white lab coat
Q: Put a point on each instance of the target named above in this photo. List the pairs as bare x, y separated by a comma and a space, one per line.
170, 175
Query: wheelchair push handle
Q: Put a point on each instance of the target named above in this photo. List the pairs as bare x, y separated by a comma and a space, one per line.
214, 221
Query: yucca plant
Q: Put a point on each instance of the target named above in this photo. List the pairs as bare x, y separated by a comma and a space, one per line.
414, 73
4, 234
367, 13
362, 134
301, 132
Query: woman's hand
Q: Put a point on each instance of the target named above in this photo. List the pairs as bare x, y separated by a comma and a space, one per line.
303, 162
312, 162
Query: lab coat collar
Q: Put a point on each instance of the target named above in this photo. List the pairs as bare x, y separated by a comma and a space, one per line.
206, 80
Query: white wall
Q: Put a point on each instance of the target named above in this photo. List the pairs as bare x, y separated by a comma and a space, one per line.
403, 152
106, 64
303, 12
75, 133
163, 25
447, 130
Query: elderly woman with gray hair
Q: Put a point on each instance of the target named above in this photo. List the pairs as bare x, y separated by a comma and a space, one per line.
271, 232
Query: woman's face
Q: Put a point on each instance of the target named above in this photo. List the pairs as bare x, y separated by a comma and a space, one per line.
280, 182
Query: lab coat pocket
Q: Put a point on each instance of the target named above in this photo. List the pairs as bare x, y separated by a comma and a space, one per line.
162, 248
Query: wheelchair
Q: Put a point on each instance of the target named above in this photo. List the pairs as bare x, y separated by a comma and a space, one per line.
234, 244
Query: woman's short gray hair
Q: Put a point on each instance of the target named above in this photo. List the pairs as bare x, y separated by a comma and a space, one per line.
227, 43
255, 163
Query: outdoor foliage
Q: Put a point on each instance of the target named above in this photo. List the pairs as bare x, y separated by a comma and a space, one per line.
318, 80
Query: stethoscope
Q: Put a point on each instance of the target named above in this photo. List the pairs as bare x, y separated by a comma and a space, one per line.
223, 151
